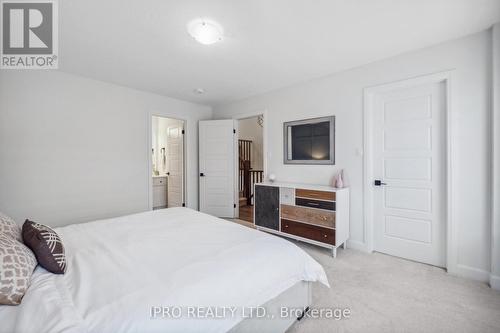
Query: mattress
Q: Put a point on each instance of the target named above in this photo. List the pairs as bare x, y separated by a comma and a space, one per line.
124, 274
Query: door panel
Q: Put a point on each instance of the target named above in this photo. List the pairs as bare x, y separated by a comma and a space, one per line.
407, 138
417, 199
407, 168
409, 156
409, 229
416, 108
267, 207
218, 165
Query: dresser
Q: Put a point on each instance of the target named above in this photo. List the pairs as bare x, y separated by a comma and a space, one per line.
310, 213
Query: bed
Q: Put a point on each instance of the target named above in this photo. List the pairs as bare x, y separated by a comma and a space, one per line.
122, 271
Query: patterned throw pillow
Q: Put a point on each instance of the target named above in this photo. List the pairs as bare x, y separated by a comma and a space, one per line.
17, 263
47, 246
9, 227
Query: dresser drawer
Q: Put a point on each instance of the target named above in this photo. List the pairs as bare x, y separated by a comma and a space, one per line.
312, 194
309, 215
323, 235
287, 195
330, 205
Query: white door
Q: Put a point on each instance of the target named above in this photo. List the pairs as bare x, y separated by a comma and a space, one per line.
409, 157
218, 167
175, 165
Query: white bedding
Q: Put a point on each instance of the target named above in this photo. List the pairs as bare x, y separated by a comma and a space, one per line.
119, 268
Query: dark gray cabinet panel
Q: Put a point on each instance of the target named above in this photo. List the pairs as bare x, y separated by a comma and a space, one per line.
267, 201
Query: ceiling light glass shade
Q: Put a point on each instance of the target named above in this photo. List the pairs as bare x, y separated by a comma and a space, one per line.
205, 31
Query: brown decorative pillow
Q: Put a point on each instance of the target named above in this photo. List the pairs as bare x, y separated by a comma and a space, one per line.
9, 227
17, 263
47, 246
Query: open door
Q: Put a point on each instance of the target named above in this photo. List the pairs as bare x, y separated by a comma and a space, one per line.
218, 172
167, 186
175, 164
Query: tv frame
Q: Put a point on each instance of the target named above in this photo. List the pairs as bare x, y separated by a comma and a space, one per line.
331, 161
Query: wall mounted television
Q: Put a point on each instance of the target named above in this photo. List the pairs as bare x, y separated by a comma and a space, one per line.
309, 141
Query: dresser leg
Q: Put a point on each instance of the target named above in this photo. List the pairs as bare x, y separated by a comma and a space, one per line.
344, 246
334, 252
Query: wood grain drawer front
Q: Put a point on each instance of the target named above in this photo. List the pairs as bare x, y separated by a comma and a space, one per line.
330, 205
309, 215
312, 194
308, 231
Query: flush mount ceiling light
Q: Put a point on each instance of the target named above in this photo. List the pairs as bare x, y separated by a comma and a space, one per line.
205, 31
199, 91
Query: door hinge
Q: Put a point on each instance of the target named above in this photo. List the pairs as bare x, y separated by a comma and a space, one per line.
234, 131
234, 205
183, 132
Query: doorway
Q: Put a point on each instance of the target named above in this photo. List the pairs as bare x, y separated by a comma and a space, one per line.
250, 162
167, 162
407, 163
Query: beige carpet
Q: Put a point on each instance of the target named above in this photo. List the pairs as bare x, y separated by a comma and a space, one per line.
388, 294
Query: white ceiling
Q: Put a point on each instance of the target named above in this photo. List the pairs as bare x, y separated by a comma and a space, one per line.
268, 43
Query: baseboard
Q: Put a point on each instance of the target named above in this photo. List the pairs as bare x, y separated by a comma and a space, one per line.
470, 273
495, 281
357, 245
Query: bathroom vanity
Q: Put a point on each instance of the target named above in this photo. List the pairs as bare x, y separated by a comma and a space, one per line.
160, 197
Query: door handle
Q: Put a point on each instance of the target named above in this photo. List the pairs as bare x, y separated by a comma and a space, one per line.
202, 174
168, 173
378, 182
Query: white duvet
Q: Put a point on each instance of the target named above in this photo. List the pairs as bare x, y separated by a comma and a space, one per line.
118, 269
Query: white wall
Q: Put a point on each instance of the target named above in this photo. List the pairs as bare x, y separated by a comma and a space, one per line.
249, 129
342, 95
74, 149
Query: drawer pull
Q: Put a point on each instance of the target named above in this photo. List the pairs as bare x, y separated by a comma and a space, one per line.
286, 225
326, 236
313, 204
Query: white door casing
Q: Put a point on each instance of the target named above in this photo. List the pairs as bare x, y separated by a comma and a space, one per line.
409, 155
175, 167
217, 160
